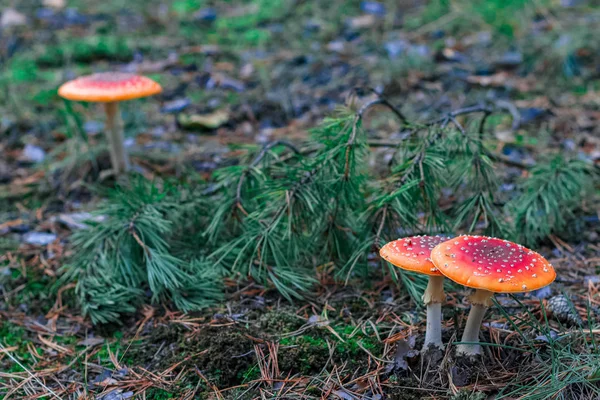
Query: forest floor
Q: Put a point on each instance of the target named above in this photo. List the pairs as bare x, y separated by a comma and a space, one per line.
243, 74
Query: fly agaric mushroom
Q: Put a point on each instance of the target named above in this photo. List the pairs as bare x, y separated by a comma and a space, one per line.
489, 265
111, 88
412, 254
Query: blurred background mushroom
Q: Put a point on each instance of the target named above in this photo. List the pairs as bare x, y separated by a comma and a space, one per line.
111, 88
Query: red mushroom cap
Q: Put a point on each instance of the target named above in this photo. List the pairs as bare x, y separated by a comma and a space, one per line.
108, 87
412, 253
492, 264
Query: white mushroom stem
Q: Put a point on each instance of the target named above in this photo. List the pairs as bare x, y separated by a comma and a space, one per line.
118, 155
433, 298
480, 301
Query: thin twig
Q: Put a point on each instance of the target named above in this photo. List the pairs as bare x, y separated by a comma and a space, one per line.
512, 110
383, 101
458, 125
269, 146
508, 161
484, 108
381, 224
486, 114
359, 116
461, 111
350, 144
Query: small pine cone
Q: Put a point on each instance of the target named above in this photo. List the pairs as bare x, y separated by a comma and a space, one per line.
562, 310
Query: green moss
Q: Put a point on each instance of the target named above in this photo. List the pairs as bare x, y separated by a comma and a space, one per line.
12, 335
223, 354
158, 394
357, 344
66, 340
103, 355
250, 374
309, 353
36, 292
468, 395
305, 354
281, 321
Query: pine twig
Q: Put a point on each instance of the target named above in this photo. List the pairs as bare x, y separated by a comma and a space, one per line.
486, 114
443, 121
505, 160
254, 163
350, 143
494, 156
458, 125
382, 101
359, 116
486, 109
292, 192
381, 225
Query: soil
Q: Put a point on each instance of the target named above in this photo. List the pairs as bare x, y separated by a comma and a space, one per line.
222, 354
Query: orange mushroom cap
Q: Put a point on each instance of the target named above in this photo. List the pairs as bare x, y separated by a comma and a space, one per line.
492, 264
108, 87
413, 253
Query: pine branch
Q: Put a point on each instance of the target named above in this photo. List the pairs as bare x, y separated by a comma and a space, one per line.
550, 198
129, 252
276, 216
